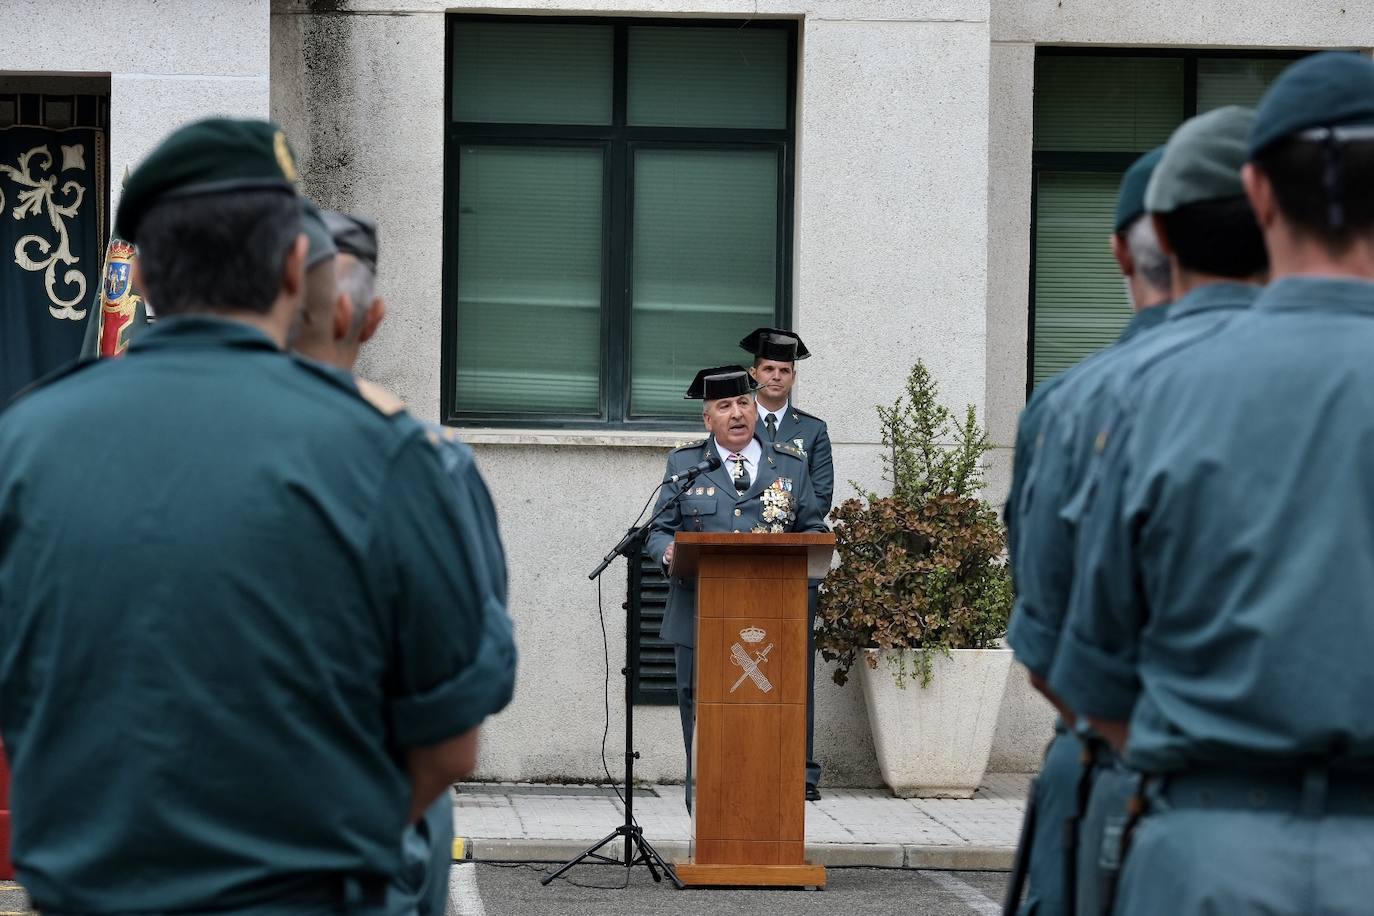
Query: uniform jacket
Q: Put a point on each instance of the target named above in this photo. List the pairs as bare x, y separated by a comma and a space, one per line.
780, 499
267, 576
1224, 570
807, 433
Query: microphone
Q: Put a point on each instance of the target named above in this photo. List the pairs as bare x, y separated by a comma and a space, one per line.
701, 467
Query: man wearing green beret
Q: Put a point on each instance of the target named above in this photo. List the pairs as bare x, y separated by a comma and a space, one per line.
343, 316
1044, 857
242, 714
1219, 628
1217, 257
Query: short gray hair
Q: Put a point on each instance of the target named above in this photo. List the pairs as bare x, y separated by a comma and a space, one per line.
1150, 260
357, 281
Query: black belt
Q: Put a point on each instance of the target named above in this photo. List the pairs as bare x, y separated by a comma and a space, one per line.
1311, 790
349, 892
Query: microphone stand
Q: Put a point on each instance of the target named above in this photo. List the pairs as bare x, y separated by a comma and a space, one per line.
637, 849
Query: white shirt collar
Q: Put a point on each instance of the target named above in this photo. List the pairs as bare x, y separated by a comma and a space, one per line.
779, 413
752, 453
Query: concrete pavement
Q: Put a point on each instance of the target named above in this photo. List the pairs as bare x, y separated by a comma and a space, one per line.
854, 827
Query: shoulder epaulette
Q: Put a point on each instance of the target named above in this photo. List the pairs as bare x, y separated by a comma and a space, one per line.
788, 448
683, 446
379, 397
812, 416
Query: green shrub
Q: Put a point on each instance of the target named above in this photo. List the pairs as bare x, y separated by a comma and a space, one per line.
923, 568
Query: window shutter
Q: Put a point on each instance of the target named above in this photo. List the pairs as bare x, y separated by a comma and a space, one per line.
529, 280
1106, 104
654, 674
1080, 297
532, 73
705, 267
1234, 81
701, 77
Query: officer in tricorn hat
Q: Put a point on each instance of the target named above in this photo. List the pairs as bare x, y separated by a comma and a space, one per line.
775, 353
270, 671
1219, 631
753, 486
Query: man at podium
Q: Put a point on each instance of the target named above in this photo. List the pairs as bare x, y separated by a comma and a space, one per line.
752, 486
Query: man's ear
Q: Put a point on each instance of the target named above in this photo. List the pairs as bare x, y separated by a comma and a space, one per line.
375, 313
292, 282
1164, 245
1122, 252
1260, 192
754, 373
343, 316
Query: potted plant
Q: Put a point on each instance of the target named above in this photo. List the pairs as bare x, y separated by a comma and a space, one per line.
921, 596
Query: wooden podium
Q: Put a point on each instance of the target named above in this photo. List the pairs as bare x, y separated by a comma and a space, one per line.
749, 744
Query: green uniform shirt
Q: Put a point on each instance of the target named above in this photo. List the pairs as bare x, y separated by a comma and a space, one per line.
214, 648
1226, 561
1073, 417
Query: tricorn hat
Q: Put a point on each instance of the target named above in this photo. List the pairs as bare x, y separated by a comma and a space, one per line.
775, 343
720, 382
355, 235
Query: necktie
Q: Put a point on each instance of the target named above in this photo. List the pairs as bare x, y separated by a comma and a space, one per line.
771, 422
741, 475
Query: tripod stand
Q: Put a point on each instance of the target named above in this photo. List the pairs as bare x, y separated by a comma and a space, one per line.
638, 850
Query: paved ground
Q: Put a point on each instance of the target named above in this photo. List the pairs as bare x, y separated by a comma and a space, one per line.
885, 855
847, 827
489, 890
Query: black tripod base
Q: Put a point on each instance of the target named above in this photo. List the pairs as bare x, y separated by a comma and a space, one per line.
638, 851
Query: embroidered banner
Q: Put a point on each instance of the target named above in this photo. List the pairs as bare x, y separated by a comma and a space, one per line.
52, 226
117, 311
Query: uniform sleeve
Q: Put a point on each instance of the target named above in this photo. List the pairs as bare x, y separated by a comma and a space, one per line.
1045, 566
665, 525
822, 467
810, 512
493, 674
461, 467
446, 613
1094, 670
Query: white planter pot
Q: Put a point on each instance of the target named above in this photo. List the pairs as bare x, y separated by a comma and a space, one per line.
934, 741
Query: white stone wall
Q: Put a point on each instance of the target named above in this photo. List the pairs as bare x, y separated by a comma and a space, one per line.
912, 239
168, 63
891, 235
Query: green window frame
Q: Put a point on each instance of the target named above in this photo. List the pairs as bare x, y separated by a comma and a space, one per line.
1087, 132
629, 393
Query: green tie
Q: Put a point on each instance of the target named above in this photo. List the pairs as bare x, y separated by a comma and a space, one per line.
772, 423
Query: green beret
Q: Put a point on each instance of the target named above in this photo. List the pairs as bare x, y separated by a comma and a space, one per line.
1130, 200
317, 233
207, 157
355, 235
1201, 161
1330, 89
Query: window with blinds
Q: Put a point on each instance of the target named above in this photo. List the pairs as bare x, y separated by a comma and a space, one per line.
1094, 114
618, 212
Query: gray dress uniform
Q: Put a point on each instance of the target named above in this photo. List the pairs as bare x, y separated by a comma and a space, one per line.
809, 434
713, 504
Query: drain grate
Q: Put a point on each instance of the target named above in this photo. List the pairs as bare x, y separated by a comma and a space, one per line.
525, 788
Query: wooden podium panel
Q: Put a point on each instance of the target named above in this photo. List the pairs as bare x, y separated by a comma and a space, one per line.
749, 744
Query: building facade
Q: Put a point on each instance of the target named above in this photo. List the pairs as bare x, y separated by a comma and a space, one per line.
583, 201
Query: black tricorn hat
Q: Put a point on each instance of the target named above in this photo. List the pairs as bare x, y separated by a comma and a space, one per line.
775, 343
353, 234
720, 382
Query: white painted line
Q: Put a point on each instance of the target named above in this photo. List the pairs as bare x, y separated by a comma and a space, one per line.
968, 895
463, 896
